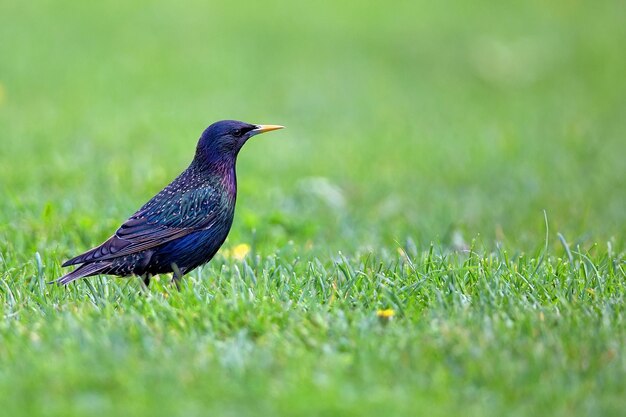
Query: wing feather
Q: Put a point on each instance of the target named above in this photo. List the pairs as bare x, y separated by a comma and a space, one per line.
167, 216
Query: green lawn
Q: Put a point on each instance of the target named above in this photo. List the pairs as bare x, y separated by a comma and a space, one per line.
461, 163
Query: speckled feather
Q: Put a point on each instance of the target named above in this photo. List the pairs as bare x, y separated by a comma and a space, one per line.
184, 225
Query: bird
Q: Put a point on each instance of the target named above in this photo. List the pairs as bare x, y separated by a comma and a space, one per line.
184, 225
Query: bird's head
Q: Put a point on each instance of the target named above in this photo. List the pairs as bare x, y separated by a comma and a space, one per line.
225, 138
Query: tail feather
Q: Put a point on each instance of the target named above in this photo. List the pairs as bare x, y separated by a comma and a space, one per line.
106, 250
82, 271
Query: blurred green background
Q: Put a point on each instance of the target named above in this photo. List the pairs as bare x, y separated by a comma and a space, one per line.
407, 121
412, 120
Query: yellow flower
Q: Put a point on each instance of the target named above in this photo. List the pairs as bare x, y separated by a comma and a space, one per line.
401, 252
240, 251
386, 314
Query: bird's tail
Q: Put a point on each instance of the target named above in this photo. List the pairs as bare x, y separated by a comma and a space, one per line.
84, 270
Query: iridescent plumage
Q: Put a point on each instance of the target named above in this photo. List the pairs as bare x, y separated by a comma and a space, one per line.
184, 225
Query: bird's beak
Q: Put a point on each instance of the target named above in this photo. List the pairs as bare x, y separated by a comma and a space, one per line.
264, 128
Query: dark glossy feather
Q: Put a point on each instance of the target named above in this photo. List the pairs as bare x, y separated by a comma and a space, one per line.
167, 216
83, 271
184, 225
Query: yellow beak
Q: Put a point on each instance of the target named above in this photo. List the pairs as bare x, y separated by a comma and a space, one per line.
265, 128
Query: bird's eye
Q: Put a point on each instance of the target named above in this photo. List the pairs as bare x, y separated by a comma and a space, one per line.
237, 132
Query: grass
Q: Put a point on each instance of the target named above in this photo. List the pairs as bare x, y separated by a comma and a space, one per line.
458, 163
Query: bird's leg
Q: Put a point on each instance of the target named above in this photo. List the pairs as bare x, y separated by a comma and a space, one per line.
176, 276
145, 281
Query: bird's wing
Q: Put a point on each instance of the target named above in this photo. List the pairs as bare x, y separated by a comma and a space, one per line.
169, 215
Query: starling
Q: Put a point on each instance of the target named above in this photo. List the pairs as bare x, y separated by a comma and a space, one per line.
184, 225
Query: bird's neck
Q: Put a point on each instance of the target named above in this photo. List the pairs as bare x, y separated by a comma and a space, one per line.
228, 178
220, 170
